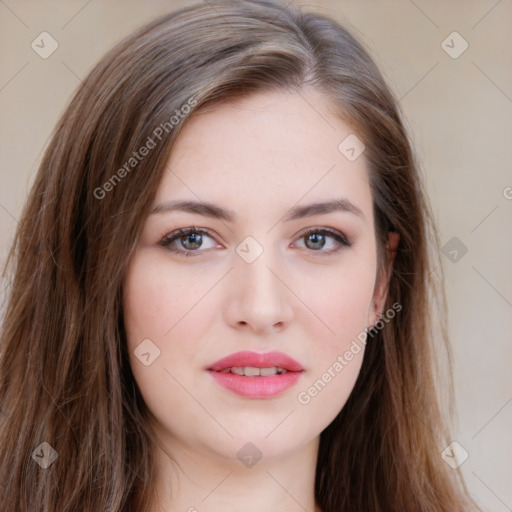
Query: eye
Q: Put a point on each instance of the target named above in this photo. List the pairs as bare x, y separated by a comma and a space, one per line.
190, 241
187, 241
317, 239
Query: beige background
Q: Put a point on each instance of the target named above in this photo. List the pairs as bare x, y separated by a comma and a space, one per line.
460, 114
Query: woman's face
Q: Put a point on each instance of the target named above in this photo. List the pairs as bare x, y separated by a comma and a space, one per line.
250, 278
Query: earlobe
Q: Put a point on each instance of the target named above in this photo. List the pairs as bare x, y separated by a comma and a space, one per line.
381, 286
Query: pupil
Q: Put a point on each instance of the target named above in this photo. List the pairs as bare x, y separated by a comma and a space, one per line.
195, 240
317, 239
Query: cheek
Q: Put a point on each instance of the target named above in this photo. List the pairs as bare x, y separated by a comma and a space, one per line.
155, 304
348, 300
338, 357
343, 302
167, 310
341, 298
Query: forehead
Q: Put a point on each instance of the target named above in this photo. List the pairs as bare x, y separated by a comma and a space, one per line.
270, 148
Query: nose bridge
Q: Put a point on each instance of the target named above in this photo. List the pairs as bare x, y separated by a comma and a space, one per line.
261, 298
255, 277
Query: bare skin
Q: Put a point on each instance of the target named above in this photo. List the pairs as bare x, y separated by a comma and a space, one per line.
306, 296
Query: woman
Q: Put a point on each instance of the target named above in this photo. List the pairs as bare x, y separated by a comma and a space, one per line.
221, 284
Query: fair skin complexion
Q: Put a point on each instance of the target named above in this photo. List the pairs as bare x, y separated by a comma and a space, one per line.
307, 296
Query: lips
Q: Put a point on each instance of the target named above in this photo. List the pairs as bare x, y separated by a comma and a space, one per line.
256, 376
256, 360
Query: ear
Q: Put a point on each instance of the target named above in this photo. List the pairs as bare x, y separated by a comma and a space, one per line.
380, 291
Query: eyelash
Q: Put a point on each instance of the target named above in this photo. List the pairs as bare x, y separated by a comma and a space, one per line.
167, 240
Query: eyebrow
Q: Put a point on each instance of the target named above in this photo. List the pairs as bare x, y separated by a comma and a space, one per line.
297, 212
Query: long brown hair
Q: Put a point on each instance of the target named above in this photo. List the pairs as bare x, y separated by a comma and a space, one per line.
64, 372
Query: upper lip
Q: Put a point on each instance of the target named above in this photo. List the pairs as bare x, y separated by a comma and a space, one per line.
257, 360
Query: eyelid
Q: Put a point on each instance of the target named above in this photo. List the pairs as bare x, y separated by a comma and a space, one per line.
183, 232
339, 236
167, 239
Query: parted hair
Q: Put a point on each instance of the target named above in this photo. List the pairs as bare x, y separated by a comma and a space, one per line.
65, 378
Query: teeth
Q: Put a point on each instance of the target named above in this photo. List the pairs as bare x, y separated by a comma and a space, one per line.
252, 371
265, 372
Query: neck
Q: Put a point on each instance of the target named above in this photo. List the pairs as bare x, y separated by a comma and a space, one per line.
191, 480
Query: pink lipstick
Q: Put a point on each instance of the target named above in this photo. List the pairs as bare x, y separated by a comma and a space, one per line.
255, 375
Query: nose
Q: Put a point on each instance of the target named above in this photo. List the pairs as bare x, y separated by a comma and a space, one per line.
259, 298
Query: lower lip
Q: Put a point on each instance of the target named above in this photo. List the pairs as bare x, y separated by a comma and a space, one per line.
256, 387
